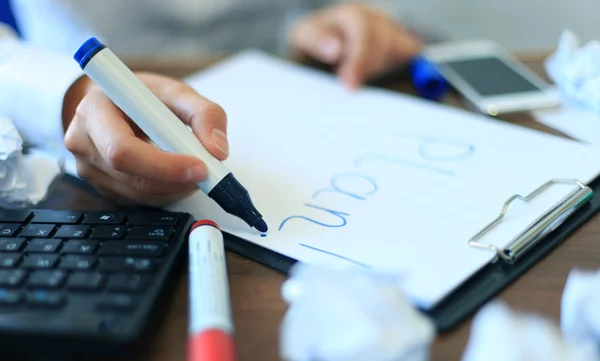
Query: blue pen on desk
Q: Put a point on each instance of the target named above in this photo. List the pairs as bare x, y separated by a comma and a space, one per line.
426, 79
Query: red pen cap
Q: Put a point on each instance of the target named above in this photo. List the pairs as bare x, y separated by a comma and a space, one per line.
211, 345
204, 222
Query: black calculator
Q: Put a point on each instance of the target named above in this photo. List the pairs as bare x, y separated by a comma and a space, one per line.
85, 283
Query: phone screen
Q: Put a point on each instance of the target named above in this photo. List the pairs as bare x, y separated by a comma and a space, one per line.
490, 76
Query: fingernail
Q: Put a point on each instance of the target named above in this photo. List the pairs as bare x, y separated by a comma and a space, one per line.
220, 140
195, 173
328, 48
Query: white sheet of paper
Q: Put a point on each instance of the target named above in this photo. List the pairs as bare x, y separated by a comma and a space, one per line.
574, 121
375, 178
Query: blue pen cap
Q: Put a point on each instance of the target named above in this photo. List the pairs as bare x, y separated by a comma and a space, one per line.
90, 48
428, 82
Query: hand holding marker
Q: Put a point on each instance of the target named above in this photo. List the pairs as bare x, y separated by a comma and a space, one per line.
164, 128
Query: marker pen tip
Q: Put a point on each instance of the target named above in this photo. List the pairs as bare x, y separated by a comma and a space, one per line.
261, 225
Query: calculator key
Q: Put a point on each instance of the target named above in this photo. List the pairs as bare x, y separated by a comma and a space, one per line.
9, 260
104, 218
85, 281
72, 232
11, 244
127, 282
108, 232
12, 278
37, 230
46, 279
40, 261
8, 229
80, 246
116, 302
10, 297
42, 298
153, 233
125, 264
132, 248
153, 219
78, 263
56, 216
14, 216
43, 245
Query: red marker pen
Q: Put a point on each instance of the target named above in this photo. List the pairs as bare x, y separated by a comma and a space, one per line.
211, 327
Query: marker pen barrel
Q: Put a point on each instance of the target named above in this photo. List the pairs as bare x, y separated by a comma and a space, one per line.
211, 327
164, 128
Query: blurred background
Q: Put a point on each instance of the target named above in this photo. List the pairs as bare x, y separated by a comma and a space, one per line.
522, 26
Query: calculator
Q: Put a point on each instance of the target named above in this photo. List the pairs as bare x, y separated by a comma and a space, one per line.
81, 283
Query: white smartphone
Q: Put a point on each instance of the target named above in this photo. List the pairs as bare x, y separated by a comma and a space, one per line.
491, 79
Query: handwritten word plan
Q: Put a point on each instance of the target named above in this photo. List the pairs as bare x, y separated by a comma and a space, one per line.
376, 179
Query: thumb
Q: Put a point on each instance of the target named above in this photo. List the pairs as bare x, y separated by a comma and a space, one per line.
317, 41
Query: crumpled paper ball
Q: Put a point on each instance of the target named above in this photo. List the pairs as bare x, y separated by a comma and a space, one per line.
501, 334
12, 173
350, 315
580, 306
24, 178
576, 71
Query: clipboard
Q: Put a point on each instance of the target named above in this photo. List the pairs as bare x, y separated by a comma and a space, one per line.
523, 252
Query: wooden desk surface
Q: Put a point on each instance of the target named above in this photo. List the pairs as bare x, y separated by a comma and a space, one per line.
258, 308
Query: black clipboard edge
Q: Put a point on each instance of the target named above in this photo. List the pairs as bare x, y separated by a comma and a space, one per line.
492, 279
256, 253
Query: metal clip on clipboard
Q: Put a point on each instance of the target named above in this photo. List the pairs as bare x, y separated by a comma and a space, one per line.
537, 230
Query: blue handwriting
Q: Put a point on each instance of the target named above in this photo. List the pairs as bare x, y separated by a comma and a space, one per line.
335, 188
335, 213
426, 143
335, 255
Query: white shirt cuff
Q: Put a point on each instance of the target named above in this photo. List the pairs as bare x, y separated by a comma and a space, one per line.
33, 83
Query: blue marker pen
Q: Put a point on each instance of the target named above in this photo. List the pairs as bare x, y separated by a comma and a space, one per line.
164, 128
428, 82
